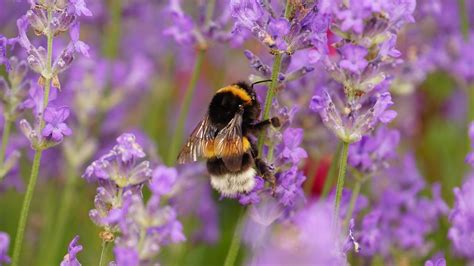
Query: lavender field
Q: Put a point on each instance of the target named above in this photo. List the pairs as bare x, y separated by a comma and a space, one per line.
237, 132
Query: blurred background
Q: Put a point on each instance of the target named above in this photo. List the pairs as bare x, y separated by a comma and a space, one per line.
135, 81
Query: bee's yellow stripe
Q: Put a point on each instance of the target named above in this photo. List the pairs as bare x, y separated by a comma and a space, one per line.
237, 91
245, 144
209, 150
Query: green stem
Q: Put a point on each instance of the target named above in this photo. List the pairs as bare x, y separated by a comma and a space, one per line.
6, 135
288, 9
210, 11
184, 110
37, 159
235, 244
102, 252
354, 196
112, 38
340, 180
463, 10
25, 209
269, 98
62, 216
332, 172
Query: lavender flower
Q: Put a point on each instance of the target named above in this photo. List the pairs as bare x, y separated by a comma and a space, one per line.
289, 190
121, 165
4, 245
359, 98
470, 156
55, 128
461, 218
119, 175
395, 220
373, 153
70, 259
4, 45
437, 260
291, 150
209, 27
353, 124
299, 244
304, 29
145, 228
63, 19
120, 207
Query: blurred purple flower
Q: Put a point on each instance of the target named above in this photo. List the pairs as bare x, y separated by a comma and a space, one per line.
470, 155
70, 258
290, 150
395, 220
79, 8
55, 128
4, 43
373, 153
163, 180
461, 218
436, 262
126, 256
353, 58
182, 29
308, 241
4, 245
261, 216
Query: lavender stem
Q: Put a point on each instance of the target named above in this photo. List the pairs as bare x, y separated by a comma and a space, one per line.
235, 244
25, 209
269, 99
102, 252
340, 180
39, 150
354, 196
6, 135
184, 110
331, 173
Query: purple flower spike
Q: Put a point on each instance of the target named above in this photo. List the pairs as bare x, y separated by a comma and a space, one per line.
4, 244
70, 258
4, 42
79, 8
353, 58
126, 256
129, 148
470, 156
462, 220
291, 151
163, 179
55, 128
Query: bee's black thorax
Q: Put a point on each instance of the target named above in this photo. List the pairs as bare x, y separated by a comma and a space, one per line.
226, 102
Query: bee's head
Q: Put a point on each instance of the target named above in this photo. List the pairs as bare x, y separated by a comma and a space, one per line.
248, 88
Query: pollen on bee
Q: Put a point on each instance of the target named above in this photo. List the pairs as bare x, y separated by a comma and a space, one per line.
209, 150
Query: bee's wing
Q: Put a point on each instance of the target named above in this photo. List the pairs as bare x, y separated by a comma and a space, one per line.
194, 147
228, 144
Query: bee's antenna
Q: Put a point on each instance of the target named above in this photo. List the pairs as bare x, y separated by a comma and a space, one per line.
260, 81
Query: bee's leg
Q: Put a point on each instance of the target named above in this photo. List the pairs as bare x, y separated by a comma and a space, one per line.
262, 125
264, 170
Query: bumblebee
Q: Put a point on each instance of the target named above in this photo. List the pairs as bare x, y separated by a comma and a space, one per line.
223, 138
